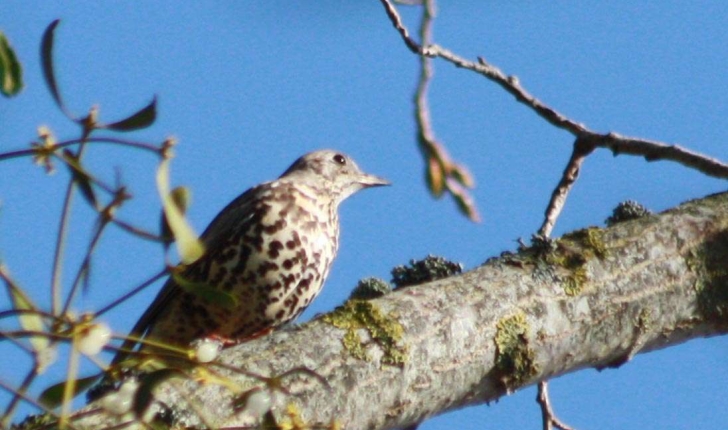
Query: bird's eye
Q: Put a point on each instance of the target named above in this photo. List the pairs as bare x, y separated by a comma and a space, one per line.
339, 159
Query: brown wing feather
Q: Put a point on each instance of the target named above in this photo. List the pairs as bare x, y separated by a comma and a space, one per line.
234, 214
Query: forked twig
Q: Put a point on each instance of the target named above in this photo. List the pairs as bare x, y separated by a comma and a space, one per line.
548, 416
651, 150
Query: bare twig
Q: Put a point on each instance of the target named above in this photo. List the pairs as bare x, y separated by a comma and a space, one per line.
19, 394
618, 144
558, 198
136, 231
29, 400
443, 174
132, 293
85, 267
549, 418
58, 253
394, 17
110, 140
651, 150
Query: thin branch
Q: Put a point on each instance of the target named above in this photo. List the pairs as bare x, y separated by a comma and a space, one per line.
58, 253
19, 394
549, 418
397, 22
558, 198
111, 140
85, 264
29, 400
442, 173
137, 231
649, 149
131, 293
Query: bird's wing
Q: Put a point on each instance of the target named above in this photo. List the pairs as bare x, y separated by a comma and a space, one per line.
236, 213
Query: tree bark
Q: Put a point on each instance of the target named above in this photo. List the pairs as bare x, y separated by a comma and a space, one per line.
592, 298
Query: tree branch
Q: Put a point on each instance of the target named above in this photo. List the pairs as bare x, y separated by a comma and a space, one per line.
595, 299
651, 150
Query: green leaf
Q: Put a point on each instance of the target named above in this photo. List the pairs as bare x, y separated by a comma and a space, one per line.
435, 177
11, 72
144, 395
52, 397
46, 58
466, 205
80, 177
211, 294
461, 174
29, 321
189, 246
140, 119
181, 196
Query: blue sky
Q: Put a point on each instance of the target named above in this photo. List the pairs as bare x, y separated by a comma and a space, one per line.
249, 86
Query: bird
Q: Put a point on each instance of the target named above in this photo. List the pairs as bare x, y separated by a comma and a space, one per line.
269, 250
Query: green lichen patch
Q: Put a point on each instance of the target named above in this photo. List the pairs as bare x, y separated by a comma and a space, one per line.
572, 252
589, 239
574, 283
644, 321
515, 360
710, 262
386, 331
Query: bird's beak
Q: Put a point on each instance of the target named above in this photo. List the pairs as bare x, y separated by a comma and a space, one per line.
367, 181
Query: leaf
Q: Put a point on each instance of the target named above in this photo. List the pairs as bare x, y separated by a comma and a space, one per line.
461, 174
189, 246
52, 397
80, 176
181, 196
464, 201
11, 72
435, 177
144, 395
140, 119
28, 320
46, 58
211, 294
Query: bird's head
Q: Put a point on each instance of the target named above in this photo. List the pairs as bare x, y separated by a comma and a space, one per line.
333, 171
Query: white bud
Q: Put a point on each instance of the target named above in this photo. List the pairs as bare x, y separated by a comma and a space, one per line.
120, 401
207, 350
94, 339
258, 403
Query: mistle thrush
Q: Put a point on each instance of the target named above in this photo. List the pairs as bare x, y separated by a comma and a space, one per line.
270, 250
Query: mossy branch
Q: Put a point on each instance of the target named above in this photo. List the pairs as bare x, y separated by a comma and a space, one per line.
645, 284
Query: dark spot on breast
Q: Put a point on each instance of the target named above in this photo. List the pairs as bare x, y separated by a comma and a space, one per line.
266, 267
287, 264
240, 265
275, 227
305, 283
274, 248
292, 303
255, 241
288, 281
